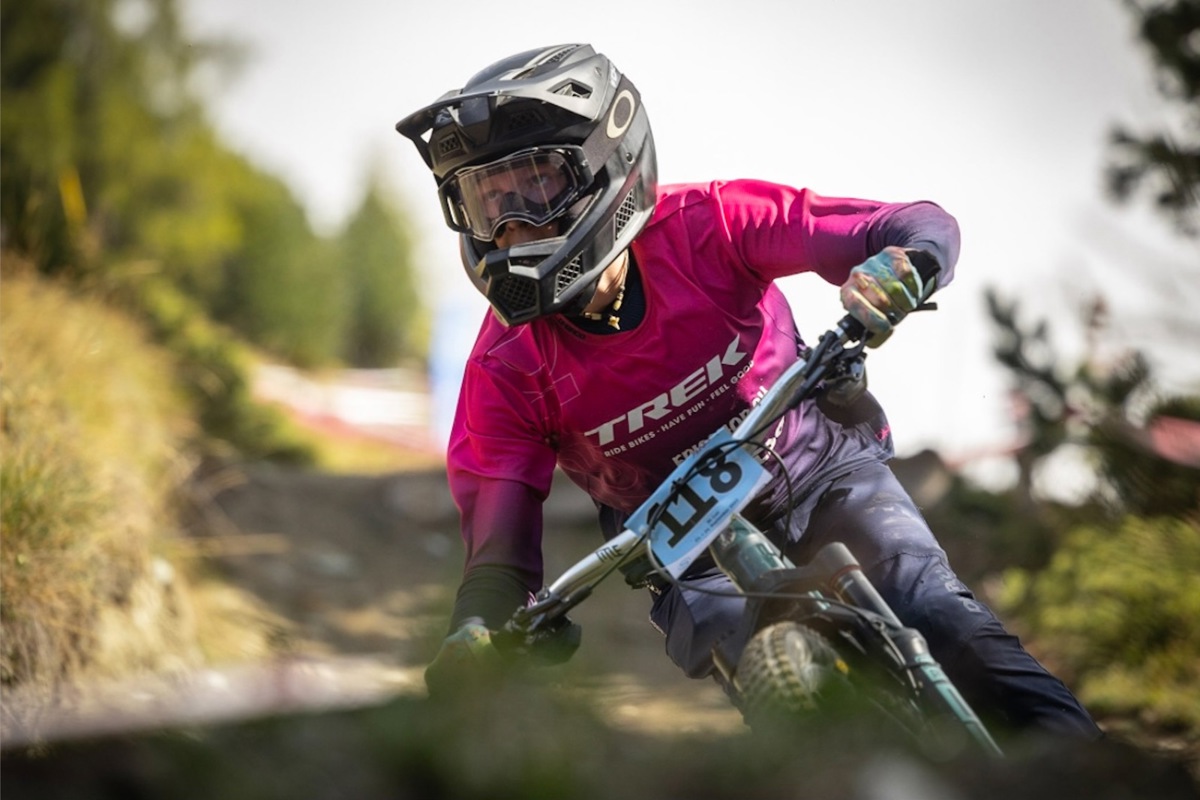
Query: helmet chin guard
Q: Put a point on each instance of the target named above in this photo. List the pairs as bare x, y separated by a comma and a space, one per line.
566, 97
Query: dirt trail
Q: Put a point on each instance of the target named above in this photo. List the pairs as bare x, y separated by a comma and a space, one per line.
364, 568
361, 572
356, 575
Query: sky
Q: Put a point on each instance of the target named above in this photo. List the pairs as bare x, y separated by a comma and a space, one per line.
997, 111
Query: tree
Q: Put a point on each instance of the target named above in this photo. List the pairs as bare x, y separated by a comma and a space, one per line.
387, 323
282, 287
100, 130
1107, 404
1163, 163
37, 110
1115, 605
1110, 404
113, 171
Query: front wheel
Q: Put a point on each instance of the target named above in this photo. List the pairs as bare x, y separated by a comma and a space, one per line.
785, 672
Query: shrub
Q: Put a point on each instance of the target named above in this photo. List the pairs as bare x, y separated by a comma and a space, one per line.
214, 367
1118, 609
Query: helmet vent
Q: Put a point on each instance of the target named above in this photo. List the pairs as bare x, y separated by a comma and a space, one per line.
574, 89
522, 120
516, 296
450, 144
567, 276
626, 212
560, 54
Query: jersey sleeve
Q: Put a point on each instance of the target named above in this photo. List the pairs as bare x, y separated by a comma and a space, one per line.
500, 467
777, 230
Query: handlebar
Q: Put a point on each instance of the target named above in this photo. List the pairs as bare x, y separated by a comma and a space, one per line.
837, 348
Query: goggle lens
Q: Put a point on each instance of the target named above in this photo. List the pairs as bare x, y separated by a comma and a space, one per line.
532, 186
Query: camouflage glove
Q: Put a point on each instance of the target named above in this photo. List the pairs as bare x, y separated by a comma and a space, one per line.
881, 291
465, 656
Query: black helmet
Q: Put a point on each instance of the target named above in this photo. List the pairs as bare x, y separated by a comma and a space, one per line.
562, 118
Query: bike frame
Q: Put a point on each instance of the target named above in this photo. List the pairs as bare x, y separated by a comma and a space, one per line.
797, 383
830, 593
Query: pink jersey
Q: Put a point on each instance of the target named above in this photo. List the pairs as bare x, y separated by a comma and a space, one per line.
618, 411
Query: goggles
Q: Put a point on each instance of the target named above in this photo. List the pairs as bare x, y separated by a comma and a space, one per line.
533, 186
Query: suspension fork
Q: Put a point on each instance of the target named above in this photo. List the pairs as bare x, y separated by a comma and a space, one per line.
758, 568
743, 553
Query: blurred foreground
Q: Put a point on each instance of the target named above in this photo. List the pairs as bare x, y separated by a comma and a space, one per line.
528, 741
355, 574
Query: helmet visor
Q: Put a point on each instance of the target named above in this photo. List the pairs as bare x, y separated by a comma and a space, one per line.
533, 186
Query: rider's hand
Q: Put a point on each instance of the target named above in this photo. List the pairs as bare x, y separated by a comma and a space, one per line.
464, 656
881, 291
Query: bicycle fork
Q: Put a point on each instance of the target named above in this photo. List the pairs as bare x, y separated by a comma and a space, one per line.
750, 559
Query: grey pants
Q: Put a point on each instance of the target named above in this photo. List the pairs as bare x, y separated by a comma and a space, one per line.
870, 513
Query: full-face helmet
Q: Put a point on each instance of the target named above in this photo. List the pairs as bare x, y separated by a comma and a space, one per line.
553, 134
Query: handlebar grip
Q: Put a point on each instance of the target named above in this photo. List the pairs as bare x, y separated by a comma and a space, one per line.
852, 328
927, 266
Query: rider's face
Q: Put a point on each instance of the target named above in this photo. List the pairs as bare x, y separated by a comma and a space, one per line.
535, 182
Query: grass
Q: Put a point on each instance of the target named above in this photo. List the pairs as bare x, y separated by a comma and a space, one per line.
95, 434
101, 430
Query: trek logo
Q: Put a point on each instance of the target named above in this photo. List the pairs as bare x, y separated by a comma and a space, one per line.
673, 399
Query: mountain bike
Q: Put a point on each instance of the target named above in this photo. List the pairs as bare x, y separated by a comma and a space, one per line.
819, 629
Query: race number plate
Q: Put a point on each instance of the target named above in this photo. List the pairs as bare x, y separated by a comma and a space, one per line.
700, 508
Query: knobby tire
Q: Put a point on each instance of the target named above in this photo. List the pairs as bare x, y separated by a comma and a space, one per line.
783, 672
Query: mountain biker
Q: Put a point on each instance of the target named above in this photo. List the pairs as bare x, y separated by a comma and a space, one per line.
630, 320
